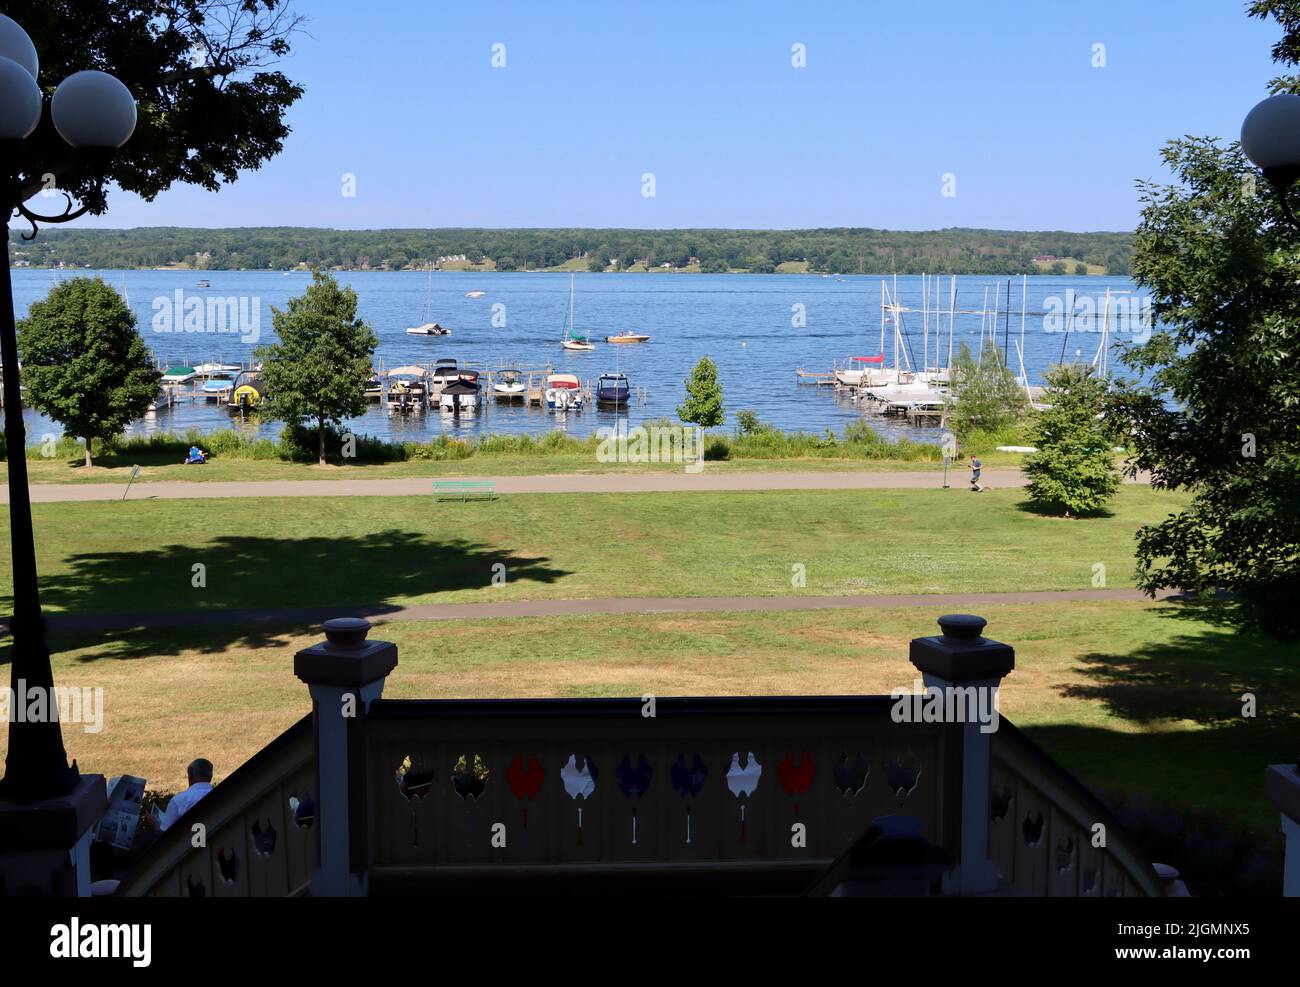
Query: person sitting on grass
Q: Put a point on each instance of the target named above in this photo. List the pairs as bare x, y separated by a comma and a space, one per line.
196, 455
199, 774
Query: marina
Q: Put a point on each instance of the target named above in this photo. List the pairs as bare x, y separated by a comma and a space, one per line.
806, 378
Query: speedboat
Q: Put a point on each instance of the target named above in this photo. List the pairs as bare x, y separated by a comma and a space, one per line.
613, 389
220, 383
460, 395
562, 392
507, 386
443, 373
475, 294
429, 329
628, 336
179, 375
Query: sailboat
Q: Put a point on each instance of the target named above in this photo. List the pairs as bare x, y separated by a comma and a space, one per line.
569, 340
427, 328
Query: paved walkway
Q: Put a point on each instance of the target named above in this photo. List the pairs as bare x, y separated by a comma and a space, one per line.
939, 602
44, 493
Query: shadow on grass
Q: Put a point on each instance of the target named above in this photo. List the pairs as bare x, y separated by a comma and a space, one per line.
1194, 744
258, 589
1192, 798
1057, 512
1198, 677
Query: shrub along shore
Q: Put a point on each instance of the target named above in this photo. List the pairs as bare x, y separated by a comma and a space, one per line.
757, 441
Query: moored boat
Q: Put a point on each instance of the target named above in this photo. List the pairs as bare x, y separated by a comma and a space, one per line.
507, 385
220, 384
429, 329
562, 392
613, 390
460, 395
628, 336
569, 340
408, 389
178, 375
246, 393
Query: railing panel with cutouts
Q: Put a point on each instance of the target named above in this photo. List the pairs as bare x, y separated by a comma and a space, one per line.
258, 831
1044, 835
590, 784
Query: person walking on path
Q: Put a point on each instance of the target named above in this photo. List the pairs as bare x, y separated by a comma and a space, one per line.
975, 467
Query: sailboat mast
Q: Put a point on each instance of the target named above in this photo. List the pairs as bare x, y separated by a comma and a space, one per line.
952, 306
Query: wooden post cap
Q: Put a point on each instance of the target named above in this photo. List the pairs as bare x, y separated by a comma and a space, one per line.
345, 658
961, 653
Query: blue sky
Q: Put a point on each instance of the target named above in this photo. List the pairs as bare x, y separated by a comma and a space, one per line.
1000, 94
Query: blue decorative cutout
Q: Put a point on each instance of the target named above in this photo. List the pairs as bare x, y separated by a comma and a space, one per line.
687, 782
633, 782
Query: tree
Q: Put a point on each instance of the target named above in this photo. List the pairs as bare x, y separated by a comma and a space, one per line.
1219, 415
1073, 470
319, 368
1081, 269
208, 107
83, 363
703, 404
989, 398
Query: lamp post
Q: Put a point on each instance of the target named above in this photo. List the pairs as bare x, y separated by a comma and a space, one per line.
95, 114
1270, 137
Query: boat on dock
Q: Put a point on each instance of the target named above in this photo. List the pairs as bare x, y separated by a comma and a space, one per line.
613, 390
563, 392
508, 385
247, 392
443, 373
408, 389
178, 375
628, 336
220, 384
460, 396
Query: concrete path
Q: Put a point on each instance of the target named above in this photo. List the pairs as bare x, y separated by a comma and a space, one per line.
940, 603
45, 493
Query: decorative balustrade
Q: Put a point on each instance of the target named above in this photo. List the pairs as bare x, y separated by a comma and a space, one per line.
1050, 836
257, 831
766, 791
766, 794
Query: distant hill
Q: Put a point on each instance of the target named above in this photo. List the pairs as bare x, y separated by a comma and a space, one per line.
829, 251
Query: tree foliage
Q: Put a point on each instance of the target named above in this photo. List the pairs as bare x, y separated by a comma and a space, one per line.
847, 251
1221, 415
208, 104
1073, 471
703, 404
989, 398
318, 370
83, 363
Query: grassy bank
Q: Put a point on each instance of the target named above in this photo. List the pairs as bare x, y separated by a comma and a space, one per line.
138, 555
237, 455
1135, 699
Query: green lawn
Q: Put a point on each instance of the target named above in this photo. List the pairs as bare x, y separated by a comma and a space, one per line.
117, 468
139, 555
1132, 697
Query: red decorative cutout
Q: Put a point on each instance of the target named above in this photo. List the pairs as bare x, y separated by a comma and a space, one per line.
796, 780
525, 782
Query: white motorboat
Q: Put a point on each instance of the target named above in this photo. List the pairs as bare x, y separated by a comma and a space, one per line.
507, 385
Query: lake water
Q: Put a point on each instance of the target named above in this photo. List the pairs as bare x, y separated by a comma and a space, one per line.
758, 329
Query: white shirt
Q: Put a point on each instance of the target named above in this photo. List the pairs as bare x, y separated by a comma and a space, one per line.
181, 803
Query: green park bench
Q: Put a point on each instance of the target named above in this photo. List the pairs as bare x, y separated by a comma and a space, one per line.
464, 489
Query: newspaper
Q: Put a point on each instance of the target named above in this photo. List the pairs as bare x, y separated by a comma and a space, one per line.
118, 825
